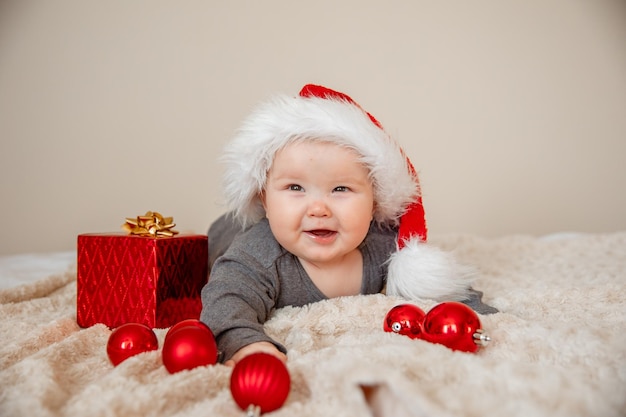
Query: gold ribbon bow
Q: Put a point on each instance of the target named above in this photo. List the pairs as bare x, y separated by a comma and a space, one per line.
151, 224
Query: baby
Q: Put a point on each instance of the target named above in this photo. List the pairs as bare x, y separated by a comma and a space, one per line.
325, 204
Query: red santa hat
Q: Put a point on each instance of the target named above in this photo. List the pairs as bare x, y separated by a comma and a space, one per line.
416, 269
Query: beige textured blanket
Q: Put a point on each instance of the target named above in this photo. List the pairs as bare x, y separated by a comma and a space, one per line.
558, 349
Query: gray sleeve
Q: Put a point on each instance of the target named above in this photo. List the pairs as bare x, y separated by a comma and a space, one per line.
237, 301
474, 300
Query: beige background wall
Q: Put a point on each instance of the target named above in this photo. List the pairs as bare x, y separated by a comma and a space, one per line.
513, 111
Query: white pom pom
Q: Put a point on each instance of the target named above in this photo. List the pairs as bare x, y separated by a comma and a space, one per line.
422, 271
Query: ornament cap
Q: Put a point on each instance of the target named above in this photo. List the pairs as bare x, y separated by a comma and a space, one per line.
396, 327
253, 411
481, 338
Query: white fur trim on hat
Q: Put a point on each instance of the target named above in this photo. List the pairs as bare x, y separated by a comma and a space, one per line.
285, 119
422, 271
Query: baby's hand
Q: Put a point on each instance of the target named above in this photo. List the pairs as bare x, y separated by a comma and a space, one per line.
256, 347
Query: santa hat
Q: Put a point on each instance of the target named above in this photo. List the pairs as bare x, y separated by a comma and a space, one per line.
416, 269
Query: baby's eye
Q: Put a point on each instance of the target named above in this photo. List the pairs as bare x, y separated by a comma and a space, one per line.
294, 187
341, 189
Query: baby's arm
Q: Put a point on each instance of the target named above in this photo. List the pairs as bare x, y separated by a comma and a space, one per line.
236, 302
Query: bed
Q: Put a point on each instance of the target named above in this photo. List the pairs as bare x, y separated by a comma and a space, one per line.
558, 345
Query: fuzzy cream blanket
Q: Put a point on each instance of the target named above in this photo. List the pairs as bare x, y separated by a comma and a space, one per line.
558, 349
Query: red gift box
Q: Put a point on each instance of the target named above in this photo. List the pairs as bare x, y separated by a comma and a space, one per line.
129, 278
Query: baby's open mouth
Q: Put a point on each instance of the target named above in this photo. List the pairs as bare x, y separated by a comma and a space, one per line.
321, 232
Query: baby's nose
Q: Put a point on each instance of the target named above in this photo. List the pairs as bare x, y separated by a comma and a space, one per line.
318, 208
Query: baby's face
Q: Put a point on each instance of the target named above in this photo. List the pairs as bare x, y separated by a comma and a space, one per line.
319, 200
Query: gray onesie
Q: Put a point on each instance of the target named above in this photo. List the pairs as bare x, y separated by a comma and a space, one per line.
255, 275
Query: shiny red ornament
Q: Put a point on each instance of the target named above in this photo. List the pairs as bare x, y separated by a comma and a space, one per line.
130, 339
260, 383
187, 345
452, 324
405, 319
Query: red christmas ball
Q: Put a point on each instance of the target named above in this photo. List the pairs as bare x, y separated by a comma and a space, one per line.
405, 319
260, 380
130, 339
187, 347
454, 325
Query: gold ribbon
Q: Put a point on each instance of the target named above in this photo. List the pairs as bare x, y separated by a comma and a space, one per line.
151, 224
